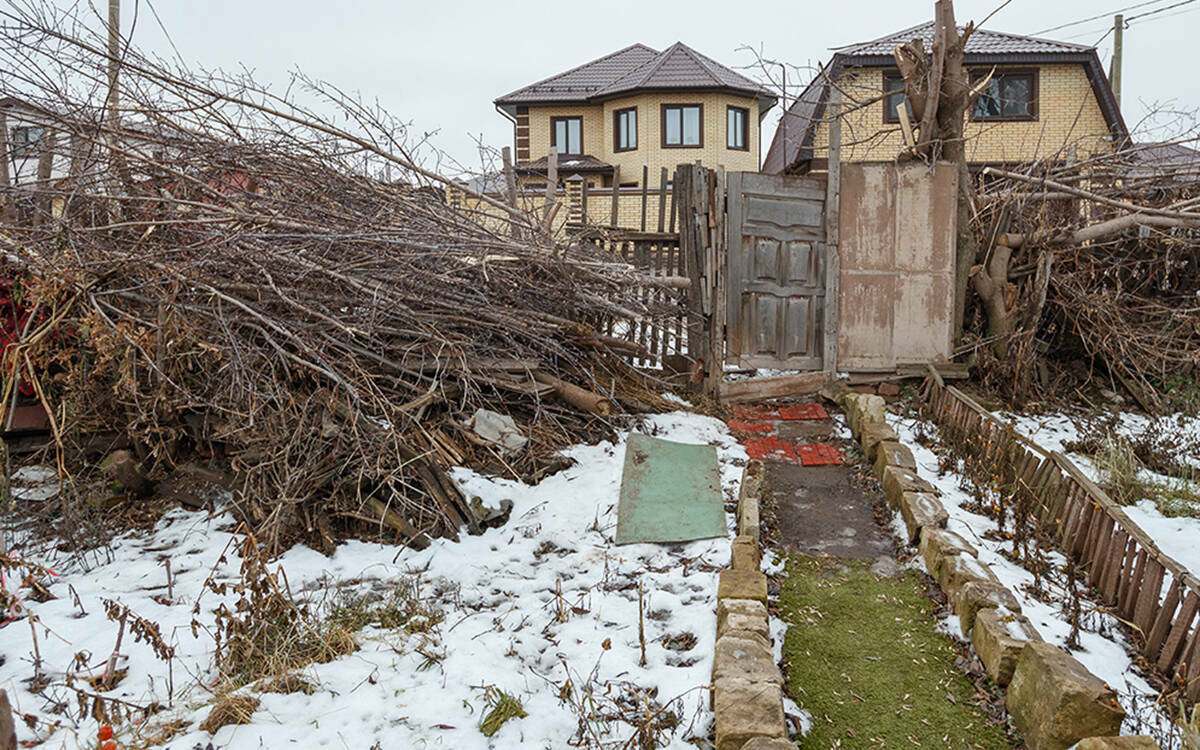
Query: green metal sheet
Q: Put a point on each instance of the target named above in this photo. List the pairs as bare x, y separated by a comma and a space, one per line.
670, 492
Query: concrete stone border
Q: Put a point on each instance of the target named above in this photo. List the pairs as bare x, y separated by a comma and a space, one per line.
1054, 701
747, 686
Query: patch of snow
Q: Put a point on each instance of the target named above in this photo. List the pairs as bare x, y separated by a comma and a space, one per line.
545, 599
668, 396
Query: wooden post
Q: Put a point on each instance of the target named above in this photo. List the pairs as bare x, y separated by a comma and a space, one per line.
551, 178
720, 267
45, 168
662, 200
7, 215
1114, 69
510, 184
674, 200
645, 179
616, 195
833, 264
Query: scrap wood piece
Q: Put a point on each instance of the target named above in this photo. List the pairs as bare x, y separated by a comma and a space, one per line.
580, 398
778, 386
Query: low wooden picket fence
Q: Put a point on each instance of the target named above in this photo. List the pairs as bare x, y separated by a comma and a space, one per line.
1121, 561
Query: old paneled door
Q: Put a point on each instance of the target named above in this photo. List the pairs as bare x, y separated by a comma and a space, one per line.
776, 271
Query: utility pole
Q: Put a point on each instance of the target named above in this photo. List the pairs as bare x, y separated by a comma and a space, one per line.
114, 50
1114, 67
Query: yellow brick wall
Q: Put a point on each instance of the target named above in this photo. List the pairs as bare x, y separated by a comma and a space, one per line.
1069, 122
598, 134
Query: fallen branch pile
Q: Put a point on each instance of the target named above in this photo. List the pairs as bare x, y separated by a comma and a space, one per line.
1098, 261
223, 273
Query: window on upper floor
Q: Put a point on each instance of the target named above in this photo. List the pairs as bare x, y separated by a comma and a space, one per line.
625, 135
566, 135
682, 126
894, 96
737, 128
1009, 95
23, 142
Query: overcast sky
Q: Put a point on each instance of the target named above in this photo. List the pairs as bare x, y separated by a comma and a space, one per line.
439, 63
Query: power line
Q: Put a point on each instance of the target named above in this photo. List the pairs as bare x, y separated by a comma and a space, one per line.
1102, 15
1159, 10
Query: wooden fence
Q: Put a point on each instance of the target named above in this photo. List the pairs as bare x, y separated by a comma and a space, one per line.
1122, 562
660, 330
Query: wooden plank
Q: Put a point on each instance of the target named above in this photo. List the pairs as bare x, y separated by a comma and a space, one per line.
645, 188
1147, 596
1104, 540
1131, 582
674, 204
716, 346
1187, 670
615, 213
779, 386
551, 181
1162, 620
1114, 559
1172, 646
831, 213
662, 199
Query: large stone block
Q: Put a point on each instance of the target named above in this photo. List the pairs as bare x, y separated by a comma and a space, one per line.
873, 435
998, 637
892, 453
745, 554
977, 595
897, 480
742, 614
849, 404
871, 410
1131, 742
921, 510
747, 508
744, 710
742, 584
745, 657
1055, 702
938, 542
956, 570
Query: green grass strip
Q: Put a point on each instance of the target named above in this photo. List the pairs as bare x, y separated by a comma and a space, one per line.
866, 660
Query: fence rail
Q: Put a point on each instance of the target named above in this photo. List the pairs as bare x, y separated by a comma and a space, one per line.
1121, 561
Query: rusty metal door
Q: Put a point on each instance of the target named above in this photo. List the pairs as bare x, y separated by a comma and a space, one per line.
776, 261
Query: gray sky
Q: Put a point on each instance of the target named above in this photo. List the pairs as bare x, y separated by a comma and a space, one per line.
439, 64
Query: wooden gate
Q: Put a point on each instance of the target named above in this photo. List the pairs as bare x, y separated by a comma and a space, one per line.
777, 271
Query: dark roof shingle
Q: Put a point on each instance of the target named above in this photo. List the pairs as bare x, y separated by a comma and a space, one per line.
981, 42
635, 68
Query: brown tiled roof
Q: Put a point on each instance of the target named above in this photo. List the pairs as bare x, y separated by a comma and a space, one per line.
577, 84
635, 68
981, 42
567, 164
983, 47
681, 67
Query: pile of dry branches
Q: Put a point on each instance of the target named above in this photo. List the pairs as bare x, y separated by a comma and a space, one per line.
1099, 261
221, 272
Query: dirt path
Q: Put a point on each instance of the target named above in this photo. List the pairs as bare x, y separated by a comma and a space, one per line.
863, 654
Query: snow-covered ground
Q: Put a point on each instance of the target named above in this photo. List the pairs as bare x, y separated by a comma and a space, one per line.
1177, 536
544, 600
1104, 650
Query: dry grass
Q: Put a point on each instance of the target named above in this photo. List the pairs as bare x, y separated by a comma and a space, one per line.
1120, 467
231, 709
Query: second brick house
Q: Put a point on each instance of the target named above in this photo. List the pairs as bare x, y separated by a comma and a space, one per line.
637, 108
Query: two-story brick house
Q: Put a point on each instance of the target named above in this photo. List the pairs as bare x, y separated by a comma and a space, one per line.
1045, 100
637, 108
